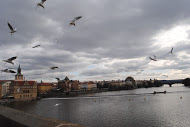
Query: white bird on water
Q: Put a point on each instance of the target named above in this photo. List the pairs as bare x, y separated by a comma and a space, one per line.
57, 104
41, 4
10, 60
13, 30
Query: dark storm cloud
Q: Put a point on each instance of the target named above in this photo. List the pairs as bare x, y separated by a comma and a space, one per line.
109, 30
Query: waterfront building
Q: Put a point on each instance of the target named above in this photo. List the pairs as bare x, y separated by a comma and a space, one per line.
44, 87
5, 87
0, 90
68, 85
23, 90
92, 85
130, 81
87, 86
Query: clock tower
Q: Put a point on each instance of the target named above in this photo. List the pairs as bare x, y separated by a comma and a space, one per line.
19, 76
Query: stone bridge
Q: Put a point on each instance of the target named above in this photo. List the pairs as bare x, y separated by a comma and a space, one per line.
171, 82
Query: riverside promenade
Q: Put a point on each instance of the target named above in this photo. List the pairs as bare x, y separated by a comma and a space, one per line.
10, 117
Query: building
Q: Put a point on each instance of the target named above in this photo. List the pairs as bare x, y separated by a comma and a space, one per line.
5, 87
0, 90
23, 90
19, 76
68, 85
87, 86
44, 87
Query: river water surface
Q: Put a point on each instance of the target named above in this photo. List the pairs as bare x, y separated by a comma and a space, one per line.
132, 108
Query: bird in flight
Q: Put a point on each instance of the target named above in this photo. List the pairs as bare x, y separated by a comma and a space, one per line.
154, 59
36, 46
165, 75
139, 72
73, 21
13, 30
10, 60
8, 71
41, 4
57, 41
53, 68
171, 52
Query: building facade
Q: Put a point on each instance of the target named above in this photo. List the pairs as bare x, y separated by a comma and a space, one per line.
5, 88
0, 90
23, 90
44, 88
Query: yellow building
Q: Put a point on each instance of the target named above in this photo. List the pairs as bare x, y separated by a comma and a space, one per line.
23, 90
44, 87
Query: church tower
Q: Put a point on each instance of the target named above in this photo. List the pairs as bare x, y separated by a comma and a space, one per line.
19, 76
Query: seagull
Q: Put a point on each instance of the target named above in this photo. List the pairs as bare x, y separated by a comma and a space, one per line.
53, 68
154, 59
8, 71
57, 104
171, 52
36, 46
75, 19
165, 75
10, 60
139, 72
13, 30
57, 41
41, 4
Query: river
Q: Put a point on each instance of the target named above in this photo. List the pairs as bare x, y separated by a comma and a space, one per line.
129, 108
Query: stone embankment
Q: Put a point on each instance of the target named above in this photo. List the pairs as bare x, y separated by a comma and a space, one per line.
13, 117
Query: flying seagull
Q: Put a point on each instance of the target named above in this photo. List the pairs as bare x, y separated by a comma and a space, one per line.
171, 52
8, 71
10, 60
154, 59
36, 46
41, 4
53, 68
13, 30
73, 21
57, 41
139, 72
57, 79
165, 75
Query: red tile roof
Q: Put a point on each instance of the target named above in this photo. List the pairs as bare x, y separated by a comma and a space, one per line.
45, 84
21, 83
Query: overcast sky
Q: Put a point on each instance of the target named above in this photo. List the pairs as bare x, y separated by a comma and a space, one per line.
112, 40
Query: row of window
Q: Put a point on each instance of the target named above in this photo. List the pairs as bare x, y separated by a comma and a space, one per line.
25, 96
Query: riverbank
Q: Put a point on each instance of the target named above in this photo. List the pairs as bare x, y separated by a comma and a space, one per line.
71, 94
10, 117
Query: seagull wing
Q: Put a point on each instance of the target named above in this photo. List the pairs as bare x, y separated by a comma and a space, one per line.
154, 56
77, 18
172, 49
150, 58
43, 1
11, 71
10, 27
12, 58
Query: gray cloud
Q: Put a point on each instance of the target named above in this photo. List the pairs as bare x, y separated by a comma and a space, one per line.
116, 37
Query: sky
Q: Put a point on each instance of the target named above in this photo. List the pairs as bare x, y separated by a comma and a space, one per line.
113, 40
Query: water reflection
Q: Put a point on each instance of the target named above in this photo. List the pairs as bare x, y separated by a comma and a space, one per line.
110, 109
